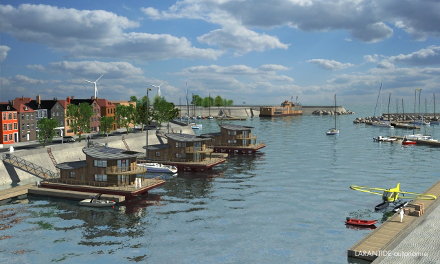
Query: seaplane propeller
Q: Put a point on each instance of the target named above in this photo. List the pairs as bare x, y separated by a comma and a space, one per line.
391, 195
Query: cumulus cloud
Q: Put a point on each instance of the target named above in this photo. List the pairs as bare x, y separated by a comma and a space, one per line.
428, 56
371, 58
91, 69
365, 20
3, 52
97, 33
330, 64
385, 64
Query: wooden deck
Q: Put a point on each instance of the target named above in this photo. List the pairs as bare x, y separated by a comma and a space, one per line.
390, 233
8, 194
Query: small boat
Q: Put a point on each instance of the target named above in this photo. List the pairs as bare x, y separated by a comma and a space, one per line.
408, 142
401, 205
359, 222
159, 168
96, 202
333, 131
384, 139
196, 126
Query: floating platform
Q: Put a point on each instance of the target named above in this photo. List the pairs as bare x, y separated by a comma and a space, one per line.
389, 234
22, 191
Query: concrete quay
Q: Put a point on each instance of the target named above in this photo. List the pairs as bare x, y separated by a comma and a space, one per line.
412, 241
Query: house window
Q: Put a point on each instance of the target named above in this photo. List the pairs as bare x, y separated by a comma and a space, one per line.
27, 126
10, 116
22, 126
32, 125
72, 175
15, 126
32, 116
61, 123
100, 163
22, 116
5, 127
157, 154
10, 126
232, 141
5, 138
101, 177
4, 116
15, 115
10, 136
27, 116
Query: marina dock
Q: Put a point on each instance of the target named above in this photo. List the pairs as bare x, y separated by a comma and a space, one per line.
389, 234
22, 191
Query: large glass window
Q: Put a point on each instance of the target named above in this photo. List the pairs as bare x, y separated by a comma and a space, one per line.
72, 174
100, 163
101, 177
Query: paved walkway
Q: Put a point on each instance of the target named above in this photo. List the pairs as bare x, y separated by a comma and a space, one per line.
383, 243
421, 245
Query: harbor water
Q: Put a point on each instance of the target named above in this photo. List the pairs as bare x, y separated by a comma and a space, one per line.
285, 204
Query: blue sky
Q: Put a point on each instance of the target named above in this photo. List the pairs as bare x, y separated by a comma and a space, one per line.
257, 52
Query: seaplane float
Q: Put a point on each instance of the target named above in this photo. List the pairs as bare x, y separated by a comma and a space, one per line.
393, 195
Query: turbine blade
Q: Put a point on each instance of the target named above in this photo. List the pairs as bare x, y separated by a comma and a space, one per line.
99, 78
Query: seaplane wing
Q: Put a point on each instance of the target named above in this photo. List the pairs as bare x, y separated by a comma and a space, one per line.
417, 196
367, 189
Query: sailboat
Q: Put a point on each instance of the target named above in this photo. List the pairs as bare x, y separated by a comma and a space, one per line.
333, 131
209, 107
434, 121
383, 123
422, 120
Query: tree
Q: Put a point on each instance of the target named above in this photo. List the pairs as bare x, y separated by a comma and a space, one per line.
197, 100
229, 102
125, 116
79, 118
218, 101
140, 113
208, 101
46, 130
163, 110
106, 124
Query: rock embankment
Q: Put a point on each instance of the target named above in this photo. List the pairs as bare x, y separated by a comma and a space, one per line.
325, 112
394, 118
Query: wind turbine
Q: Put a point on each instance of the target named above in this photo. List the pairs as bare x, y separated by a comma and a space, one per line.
158, 88
96, 88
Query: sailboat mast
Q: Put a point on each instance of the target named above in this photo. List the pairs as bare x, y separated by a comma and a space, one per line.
335, 111
389, 100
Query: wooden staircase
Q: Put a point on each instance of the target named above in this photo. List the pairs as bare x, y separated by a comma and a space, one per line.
125, 143
49, 151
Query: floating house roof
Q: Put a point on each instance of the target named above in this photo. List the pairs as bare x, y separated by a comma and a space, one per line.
107, 153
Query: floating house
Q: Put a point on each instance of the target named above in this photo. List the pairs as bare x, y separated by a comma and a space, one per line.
186, 152
236, 139
285, 109
105, 170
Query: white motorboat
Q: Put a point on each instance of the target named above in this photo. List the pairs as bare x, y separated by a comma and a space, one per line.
384, 139
159, 168
419, 137
382, 124
196, 126
97, 202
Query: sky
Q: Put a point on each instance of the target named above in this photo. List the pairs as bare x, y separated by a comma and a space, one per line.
255, 52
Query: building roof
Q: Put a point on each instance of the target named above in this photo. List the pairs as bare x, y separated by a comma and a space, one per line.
78, 101
4, 107
235, 127
70, 165
107, 153
157, 147
209, 135
44, 104
185, 137
105, 103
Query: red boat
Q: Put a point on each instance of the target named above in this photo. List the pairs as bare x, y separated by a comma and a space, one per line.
408, 142
360, 222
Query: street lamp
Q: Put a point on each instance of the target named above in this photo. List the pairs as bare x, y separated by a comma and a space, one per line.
146, 117
146, 122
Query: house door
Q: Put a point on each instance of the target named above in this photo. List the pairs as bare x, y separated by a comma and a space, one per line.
82, 176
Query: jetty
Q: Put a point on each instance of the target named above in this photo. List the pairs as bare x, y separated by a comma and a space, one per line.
32, 189
384, 239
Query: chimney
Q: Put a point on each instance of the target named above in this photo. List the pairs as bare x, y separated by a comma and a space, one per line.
93, 97
72, 97
22, 97
68, 100
38, 99
55, 99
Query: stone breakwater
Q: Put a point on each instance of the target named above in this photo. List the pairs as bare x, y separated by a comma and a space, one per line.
397, 118
325, 112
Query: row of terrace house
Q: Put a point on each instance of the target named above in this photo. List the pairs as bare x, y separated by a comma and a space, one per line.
25, 113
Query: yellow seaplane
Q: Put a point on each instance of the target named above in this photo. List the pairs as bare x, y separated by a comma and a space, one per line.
392, 195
